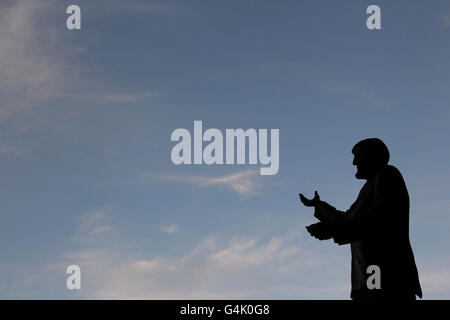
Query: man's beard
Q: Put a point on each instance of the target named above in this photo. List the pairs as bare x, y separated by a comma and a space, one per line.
360, 174
366, 172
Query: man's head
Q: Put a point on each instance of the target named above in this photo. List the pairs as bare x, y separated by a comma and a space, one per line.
370, 155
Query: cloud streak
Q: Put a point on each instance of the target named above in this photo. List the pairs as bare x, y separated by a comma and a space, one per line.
338, 86
246, 183
94, 225
169, 229
435, 279
243, 268
130, 97
32, 62
147, 7
445, 21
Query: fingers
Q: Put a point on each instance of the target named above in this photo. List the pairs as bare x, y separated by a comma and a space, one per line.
314, 229
319, 231
339, 241
310, 202
320, 236
303, 198
313, 226
305, 201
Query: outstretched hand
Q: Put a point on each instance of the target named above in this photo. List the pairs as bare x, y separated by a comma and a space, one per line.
321, 231
310, 202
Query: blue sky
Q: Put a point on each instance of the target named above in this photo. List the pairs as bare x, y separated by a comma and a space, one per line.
85, 124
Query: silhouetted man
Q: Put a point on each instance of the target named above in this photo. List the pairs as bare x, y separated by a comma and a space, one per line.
376, 226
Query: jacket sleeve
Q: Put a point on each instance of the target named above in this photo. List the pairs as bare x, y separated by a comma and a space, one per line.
326, 213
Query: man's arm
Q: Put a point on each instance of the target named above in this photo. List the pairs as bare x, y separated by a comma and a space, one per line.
328, 214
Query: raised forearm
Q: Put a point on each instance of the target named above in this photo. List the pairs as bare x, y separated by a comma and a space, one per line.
327, 213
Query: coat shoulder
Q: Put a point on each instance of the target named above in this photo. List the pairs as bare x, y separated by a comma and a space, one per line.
390, 172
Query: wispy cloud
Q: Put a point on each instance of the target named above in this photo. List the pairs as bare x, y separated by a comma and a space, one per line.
33, 64
130, 97
246, 183
36, 65
94, 225
146, 6
435, 278
239, 269
14, 151
339, 86
170, 228
445, 23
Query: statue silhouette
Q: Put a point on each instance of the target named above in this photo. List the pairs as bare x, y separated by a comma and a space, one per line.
376, 226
